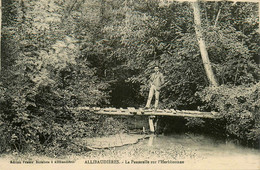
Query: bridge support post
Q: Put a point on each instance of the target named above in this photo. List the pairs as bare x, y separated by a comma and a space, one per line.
151, 124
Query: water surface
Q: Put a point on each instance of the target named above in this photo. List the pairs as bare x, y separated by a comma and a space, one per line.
188, 151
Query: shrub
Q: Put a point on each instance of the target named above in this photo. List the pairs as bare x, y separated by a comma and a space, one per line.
239, 106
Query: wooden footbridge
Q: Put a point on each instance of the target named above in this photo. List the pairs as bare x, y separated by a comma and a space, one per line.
130, 111
151, 113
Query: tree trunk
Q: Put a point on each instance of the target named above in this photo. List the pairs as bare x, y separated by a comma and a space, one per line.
202, 46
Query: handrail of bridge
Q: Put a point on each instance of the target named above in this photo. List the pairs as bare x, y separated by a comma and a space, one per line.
150, 112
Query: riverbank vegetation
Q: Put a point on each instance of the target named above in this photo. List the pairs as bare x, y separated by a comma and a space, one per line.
57, 55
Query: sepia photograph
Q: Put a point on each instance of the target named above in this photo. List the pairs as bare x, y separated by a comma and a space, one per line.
130, 84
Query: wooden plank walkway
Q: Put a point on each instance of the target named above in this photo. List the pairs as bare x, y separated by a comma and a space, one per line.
130, 111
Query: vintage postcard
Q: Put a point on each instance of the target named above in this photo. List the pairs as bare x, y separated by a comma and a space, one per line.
129, 84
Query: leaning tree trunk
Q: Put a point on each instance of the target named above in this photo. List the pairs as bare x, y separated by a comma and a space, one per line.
202, 46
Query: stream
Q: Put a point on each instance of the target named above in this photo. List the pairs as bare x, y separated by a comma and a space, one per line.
184, 150
174, 151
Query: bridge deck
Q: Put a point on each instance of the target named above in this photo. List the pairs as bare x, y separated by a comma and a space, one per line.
130, 111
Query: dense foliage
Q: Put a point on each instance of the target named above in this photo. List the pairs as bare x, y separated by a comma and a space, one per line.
58, 55
239, 106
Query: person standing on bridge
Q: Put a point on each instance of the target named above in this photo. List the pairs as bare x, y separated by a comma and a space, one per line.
156, 81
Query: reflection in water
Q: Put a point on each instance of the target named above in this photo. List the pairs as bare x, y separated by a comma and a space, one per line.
150, 142
200, 150
196, 151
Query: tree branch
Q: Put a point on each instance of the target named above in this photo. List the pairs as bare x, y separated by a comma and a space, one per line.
217, 18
